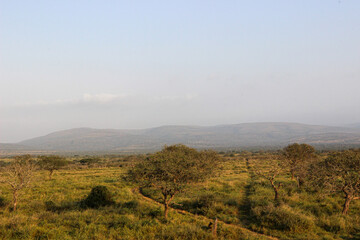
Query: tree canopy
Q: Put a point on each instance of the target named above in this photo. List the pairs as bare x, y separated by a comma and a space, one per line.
173, 168
297, 156
52, 163
339, 172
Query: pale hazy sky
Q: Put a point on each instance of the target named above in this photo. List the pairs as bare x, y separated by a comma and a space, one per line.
139, 64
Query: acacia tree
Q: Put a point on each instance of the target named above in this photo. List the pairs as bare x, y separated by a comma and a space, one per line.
19, 174
339, 172
297, 158
270, 172
52, 163
172, 169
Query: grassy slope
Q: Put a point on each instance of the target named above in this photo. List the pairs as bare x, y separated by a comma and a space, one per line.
238, 196
235, 196
130, 218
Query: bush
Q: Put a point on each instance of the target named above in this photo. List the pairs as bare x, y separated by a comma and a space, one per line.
89, 161
133, 204
201, 205
3, 163
50, 206
282, 218
2, 202
99, 196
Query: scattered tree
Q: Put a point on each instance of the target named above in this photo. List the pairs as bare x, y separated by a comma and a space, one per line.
297, 157
172, 169
52, 163
339, 172
19, 174
273, 169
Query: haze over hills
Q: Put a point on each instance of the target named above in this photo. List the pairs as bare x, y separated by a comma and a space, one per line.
353, 125
245, 135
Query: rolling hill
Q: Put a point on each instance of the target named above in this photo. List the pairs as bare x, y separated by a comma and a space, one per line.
246, 135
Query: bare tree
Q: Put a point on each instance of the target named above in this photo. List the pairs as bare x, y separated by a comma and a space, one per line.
19, 174
270, 171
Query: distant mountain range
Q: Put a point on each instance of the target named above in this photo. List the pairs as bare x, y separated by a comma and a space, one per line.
245, 135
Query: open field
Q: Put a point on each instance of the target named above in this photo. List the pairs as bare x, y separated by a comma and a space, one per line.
236, 196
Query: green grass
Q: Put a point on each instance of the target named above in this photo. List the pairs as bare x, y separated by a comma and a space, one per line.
129, 218
50, 209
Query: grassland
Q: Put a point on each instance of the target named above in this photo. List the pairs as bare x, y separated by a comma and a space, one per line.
236, 196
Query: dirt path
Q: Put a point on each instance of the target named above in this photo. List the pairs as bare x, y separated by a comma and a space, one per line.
245, 202
137, 192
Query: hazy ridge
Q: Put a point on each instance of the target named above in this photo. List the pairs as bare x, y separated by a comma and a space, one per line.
221, 136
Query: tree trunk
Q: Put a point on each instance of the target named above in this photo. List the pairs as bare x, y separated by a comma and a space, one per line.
276, 195
214, 229
300, 181
348, 199
15, 199
166, 210
166, 203
50, 173
276, 198
292, 174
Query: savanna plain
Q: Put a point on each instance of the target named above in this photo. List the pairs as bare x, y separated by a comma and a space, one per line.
249, 195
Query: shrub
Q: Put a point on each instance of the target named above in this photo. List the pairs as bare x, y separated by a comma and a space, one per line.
3, 163
89, 161
201, 205
282, 218
133, 204
99, 196
335, 223
50, 206
2, 202
155, 213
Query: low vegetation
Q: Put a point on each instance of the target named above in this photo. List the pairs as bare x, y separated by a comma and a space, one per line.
251, 194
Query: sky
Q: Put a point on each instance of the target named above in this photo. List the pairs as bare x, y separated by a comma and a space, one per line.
140, 64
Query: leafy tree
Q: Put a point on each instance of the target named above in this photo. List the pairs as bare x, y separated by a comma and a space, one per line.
297, 157
19, 175
339, 172
52, 163
172, 169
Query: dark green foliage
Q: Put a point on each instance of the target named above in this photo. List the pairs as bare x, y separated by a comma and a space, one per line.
50, 206
89, 161
133, 204
3, 163
99, 196
2, 202
297, 157
172, 169
201, 205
